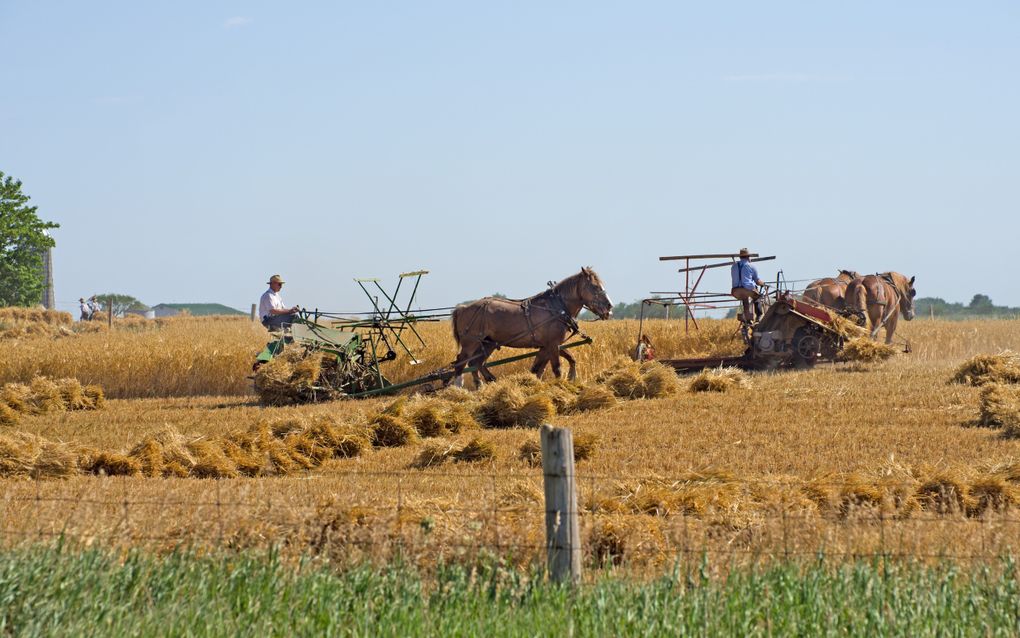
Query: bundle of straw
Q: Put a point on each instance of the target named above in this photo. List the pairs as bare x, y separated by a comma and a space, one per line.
1000, 407
989, 368
633, 380
505, 405
720, 380
476, 450
291, 378
431, 455
391, 431
27, 455
865, 350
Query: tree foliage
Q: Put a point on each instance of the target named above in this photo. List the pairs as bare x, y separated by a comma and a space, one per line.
23, 240
655, 309
120, 303
980, 306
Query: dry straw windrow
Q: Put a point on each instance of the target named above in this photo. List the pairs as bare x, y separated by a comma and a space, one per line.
720, 380
292, 377
1000, 407
629, 379
43, 396
865, 350
270, 449
817, 447
989, 368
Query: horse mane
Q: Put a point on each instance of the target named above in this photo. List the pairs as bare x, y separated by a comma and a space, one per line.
592, 276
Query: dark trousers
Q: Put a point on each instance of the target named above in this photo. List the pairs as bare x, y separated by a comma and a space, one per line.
277, 322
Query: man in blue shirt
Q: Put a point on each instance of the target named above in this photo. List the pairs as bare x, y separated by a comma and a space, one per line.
745, 278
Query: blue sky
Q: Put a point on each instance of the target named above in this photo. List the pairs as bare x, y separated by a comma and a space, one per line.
190, 149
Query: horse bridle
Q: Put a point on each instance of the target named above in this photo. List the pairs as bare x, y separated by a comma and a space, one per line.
597, 287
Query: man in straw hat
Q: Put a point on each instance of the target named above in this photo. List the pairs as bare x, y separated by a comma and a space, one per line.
274, 314
86, 312
745, 278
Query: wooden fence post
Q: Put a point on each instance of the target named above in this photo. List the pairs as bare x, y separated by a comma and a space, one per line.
562, 532
109, 320
253, 312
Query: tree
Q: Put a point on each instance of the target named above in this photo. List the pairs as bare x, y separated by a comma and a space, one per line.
981, 304
120, 303
23, 242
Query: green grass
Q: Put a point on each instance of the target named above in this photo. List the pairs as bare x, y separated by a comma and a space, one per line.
53, 591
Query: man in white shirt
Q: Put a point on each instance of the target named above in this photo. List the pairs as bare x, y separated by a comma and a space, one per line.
271, 309
86, 312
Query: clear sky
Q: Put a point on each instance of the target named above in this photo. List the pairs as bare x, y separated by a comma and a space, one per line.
191, 149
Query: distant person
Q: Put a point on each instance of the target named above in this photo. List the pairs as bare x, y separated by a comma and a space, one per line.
271, 309
95, 307
745, 278
86, 311
645, 351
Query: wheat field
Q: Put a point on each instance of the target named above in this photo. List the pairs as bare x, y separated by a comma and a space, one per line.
839, 458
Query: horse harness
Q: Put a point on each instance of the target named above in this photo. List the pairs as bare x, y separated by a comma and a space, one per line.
557, 312
557, 309
891, 308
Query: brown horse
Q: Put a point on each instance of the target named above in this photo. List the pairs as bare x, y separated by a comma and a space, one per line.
544, 321
830, 292
882, 298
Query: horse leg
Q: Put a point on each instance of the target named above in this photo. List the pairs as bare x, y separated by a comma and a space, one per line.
572, 370
875, 312
463, 358
488, 347
890, 327
476, 363
551, 355
538, 367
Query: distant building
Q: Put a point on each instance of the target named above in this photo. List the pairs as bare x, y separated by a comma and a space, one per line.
194, 309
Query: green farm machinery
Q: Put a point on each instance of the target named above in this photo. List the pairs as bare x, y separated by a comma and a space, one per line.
349, 350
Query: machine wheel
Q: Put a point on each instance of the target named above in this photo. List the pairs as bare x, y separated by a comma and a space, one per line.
806, 347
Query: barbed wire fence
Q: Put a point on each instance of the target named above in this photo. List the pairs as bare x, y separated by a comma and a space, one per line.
554, 517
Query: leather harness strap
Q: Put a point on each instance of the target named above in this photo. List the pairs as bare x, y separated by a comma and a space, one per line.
891, 308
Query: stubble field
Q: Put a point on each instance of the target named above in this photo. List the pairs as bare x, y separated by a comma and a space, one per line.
840, 459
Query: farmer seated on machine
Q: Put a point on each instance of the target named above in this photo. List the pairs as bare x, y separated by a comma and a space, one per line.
274, 314
745, 278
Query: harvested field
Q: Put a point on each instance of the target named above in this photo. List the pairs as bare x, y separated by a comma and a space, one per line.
832, 448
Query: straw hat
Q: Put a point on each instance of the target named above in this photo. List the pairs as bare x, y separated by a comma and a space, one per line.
745, 252
276, 279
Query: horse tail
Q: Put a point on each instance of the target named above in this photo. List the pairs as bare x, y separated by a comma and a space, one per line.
856, 298
453, 324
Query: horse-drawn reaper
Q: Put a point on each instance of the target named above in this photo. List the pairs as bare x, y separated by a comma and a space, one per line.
350, 350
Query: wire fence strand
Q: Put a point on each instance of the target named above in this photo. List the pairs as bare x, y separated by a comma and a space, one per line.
430, 514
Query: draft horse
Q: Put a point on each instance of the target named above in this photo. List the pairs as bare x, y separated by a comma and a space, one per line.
544, 321
881, 299
831, 291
